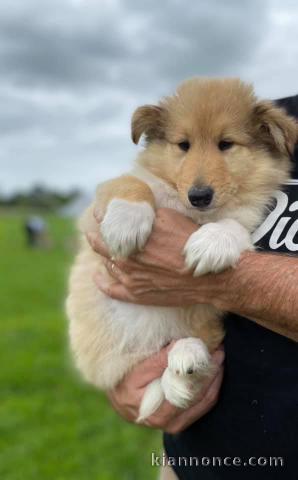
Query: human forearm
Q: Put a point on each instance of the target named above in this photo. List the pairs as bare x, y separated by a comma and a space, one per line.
264, 288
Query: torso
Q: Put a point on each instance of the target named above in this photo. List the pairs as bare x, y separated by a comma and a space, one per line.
257, 415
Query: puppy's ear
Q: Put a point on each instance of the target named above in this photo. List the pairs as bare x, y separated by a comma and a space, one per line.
277, 130
148, 120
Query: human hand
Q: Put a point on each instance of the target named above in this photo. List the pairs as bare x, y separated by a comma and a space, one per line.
157, 275
126, 397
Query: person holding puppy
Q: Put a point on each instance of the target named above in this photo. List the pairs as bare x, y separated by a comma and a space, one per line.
249, 408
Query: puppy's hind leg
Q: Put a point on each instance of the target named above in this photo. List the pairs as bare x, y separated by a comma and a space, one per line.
188, 362
152, 399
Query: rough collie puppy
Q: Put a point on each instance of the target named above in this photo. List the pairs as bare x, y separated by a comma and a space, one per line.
215, 153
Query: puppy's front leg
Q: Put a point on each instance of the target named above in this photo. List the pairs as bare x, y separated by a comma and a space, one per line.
129, 214
216, 246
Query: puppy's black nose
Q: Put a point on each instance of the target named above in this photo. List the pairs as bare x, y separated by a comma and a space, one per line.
200, 196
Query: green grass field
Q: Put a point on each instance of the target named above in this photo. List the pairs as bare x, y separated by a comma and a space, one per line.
52, 426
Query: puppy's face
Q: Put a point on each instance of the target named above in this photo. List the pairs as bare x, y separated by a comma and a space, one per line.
216, 144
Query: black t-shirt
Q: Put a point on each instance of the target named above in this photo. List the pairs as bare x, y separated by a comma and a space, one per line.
256, 417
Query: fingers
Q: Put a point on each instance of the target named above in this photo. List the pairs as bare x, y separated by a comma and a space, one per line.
172, 419
151, 368
113, 269
113, 290
218, 356
163, 416
127, 411
97, 244
127, 396
141, 296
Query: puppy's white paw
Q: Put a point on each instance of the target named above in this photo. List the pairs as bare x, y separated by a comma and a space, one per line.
188, 362
216, 246
178, 390
189, 356
126, 226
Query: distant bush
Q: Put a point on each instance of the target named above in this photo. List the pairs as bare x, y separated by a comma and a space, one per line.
39, 197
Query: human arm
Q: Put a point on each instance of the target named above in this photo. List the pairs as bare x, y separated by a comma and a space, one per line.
263, 286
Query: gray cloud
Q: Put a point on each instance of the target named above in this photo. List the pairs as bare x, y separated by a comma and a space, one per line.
72, 72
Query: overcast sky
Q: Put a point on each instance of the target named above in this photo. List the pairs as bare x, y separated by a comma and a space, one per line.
73, 71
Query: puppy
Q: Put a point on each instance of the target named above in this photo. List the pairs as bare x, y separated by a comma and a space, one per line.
215, 153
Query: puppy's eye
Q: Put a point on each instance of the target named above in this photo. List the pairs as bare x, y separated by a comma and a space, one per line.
185, 146
225, 145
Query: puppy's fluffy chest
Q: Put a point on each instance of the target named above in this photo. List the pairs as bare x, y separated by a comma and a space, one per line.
148, 327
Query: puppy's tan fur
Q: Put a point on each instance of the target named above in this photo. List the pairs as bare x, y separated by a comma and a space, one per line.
108, 337
205, 112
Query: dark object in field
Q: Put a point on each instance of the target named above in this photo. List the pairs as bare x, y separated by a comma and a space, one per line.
35, 231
